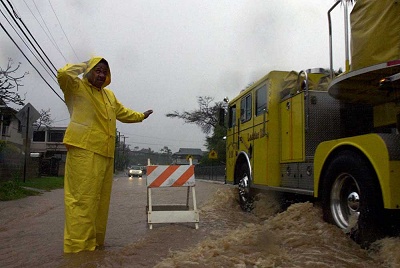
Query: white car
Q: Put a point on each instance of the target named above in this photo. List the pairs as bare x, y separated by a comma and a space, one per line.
135, 171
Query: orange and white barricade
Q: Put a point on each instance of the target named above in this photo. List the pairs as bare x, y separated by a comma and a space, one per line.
171, 176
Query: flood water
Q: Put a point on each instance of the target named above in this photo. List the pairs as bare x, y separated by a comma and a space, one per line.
297, 237
31, 234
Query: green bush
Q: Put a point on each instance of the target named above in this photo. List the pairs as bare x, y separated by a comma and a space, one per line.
2, 145
11, 190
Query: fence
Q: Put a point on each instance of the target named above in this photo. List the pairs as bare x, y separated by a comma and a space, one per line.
12, 168
213, 173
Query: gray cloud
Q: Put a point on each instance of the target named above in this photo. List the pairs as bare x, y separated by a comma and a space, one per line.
165, 53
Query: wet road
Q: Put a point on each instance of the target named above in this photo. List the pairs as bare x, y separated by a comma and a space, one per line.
31, 234
31, 229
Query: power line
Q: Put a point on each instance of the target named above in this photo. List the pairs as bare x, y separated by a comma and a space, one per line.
5, 30
16, 15
28, 46
56, 121
142, 136
53, 75
167, 143
44, 22
51, 41
34, 39
63, 31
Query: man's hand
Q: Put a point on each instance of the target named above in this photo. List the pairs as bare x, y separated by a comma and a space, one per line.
147, 113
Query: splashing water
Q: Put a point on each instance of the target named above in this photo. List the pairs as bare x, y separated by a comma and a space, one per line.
297, 237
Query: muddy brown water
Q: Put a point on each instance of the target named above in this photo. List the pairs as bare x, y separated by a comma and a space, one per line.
31, 231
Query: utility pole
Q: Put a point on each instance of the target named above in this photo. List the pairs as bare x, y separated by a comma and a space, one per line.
1, 120
116, 149
27, 115
119, 144
123, 153
120, 156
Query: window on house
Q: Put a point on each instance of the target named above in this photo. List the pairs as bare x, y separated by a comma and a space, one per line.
6, 125
39, 136
56, 136
245, 109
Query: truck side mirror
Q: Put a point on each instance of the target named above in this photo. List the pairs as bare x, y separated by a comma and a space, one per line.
221, 116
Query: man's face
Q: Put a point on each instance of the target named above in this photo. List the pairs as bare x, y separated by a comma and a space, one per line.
97, 76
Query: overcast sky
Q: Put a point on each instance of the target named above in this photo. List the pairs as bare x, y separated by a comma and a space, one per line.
163, 54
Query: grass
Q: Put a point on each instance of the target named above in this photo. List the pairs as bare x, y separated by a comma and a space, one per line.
45, 183
14, 189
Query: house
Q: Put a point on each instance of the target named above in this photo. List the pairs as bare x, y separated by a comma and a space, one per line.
11, 144
47, 153
182, 156
47, 144
10, 126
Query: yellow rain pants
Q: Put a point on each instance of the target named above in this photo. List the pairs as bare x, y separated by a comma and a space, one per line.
87, 189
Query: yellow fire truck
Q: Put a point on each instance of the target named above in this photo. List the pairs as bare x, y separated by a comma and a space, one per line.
333, 137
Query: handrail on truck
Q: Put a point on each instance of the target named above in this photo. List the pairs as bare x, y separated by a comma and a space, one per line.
346, 38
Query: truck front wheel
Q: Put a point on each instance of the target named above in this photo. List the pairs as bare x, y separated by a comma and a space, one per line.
351, 197
246, 199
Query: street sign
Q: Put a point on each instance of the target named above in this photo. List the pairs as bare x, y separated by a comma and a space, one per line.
213, 155
28, 115
23, 113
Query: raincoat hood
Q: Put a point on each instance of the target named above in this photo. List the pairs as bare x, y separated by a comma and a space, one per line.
90, 65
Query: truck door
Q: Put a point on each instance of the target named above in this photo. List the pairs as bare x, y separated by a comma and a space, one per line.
232, 142
246, 124
259, 138
292, 129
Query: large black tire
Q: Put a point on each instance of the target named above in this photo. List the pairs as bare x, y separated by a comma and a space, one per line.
246, 198
351, 197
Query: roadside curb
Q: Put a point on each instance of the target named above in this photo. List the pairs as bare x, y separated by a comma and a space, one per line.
34, 189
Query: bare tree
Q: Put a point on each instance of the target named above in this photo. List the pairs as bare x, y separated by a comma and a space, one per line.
9, 82
44, 119
206, 116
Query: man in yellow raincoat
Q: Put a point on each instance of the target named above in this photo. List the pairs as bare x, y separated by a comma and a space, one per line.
90, 140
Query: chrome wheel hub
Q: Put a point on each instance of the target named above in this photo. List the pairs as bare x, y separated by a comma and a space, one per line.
353, 201
345, 201
244, 188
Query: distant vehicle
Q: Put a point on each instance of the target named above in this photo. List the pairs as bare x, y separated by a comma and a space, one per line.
135, 171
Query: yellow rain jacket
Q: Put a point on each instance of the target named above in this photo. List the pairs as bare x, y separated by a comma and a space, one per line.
90, 139
93, 112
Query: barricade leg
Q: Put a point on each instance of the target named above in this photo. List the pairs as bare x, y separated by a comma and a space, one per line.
195, 207
170, 213
149, 208
187, 196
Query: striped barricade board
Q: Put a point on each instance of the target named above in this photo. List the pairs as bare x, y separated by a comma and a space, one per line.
171, 176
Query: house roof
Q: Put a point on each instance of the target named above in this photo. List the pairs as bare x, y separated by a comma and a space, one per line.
190, 151
53, 128
5, 109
